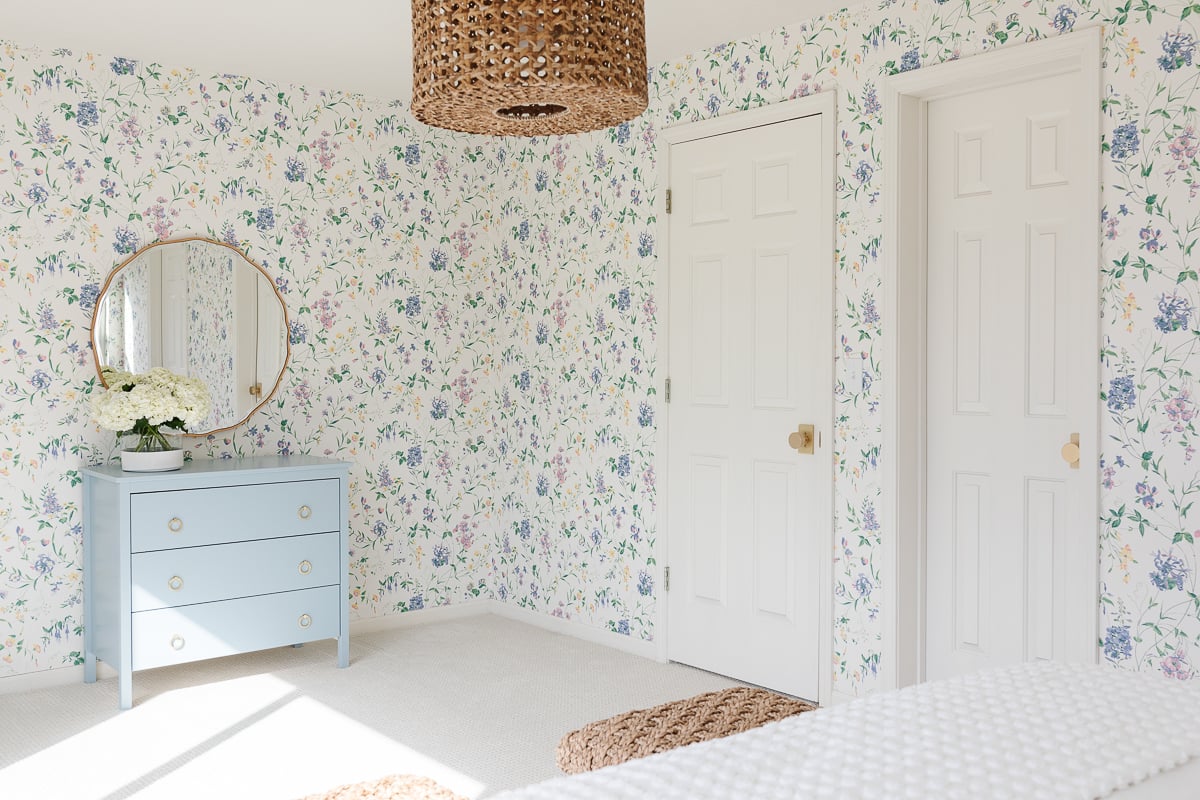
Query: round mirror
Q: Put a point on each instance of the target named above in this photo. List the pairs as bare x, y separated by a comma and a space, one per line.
199, 308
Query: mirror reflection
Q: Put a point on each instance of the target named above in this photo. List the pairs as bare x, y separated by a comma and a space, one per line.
198, 308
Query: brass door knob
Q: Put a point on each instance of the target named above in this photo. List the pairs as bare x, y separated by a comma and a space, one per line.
1070, 451
175, 525
304, 512
305, 567
801, 439
176, 583
305, 621
177, 642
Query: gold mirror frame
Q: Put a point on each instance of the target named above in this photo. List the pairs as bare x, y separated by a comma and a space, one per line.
287, 329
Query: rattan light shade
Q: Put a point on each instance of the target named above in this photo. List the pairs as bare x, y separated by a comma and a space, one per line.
528, 67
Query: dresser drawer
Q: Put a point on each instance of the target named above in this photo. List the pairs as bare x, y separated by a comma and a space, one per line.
177, 635
188, 575
163, 520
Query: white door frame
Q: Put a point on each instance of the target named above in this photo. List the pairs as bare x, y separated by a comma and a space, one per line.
905, 100
825, 104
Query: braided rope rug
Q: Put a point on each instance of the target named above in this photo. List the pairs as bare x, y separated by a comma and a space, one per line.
636, 734
393, 787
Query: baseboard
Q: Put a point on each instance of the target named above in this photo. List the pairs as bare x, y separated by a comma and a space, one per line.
62, 676
51, 678
425, 616
638, 647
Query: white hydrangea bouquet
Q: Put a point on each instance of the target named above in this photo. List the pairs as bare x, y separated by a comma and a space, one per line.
143, 405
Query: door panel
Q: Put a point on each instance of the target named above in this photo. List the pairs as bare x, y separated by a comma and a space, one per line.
1007, 383
750, 346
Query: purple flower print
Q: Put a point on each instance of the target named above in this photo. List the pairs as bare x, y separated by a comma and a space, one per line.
1176, 666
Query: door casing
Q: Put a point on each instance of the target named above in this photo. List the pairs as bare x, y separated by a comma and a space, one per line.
824, 104
905, 99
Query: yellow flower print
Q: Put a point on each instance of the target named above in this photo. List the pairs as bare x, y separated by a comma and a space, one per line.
1125, 558
1129, 305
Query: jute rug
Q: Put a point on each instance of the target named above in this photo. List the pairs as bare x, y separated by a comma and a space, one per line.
636, 734
393, 787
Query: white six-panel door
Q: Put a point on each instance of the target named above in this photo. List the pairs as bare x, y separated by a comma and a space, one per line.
750, 350
1010, 545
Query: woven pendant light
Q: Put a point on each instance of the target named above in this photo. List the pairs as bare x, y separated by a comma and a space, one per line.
528, 67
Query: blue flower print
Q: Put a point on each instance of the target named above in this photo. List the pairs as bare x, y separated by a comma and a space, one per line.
623, 627
412, 306
125, 241
87, 114
524, 530
37, 194
1173, 313
1117, 645
294, 171
645, 244
1170, 572
299, 334
1125, 141
416, 602
414, 456
1064, 19
265, 219
412, 154
441, 555
438, 408
1178, 50
88, 294
123, 66
437, 260
623, 300
910, 60
645, 584
645, 415
623, 465
543, 486
1121, 394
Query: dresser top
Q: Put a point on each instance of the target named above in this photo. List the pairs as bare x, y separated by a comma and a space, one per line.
217, 467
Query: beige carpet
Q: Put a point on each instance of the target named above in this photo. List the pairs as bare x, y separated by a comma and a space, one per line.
476, 704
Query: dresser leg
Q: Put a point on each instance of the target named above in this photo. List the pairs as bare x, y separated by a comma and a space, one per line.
125, 689
89, 667
343, 652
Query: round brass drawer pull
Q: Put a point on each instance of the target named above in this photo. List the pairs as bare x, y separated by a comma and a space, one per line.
305, 512
176, 583
175, 525
305, 567
305, 621
177, 642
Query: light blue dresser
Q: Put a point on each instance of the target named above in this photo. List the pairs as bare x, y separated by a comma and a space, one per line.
220, 557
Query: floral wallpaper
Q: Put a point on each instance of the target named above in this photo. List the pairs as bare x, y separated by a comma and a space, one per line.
474, 320
366, 220
210, 347
577, 256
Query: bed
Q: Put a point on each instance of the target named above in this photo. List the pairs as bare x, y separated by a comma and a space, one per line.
1031, 731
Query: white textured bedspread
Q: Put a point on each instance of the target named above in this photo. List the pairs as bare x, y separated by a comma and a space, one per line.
1030, 731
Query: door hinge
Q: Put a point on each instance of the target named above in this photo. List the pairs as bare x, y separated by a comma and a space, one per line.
667, 579
667, 392
668, 201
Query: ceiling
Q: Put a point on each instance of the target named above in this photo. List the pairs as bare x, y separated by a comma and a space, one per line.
355, 45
